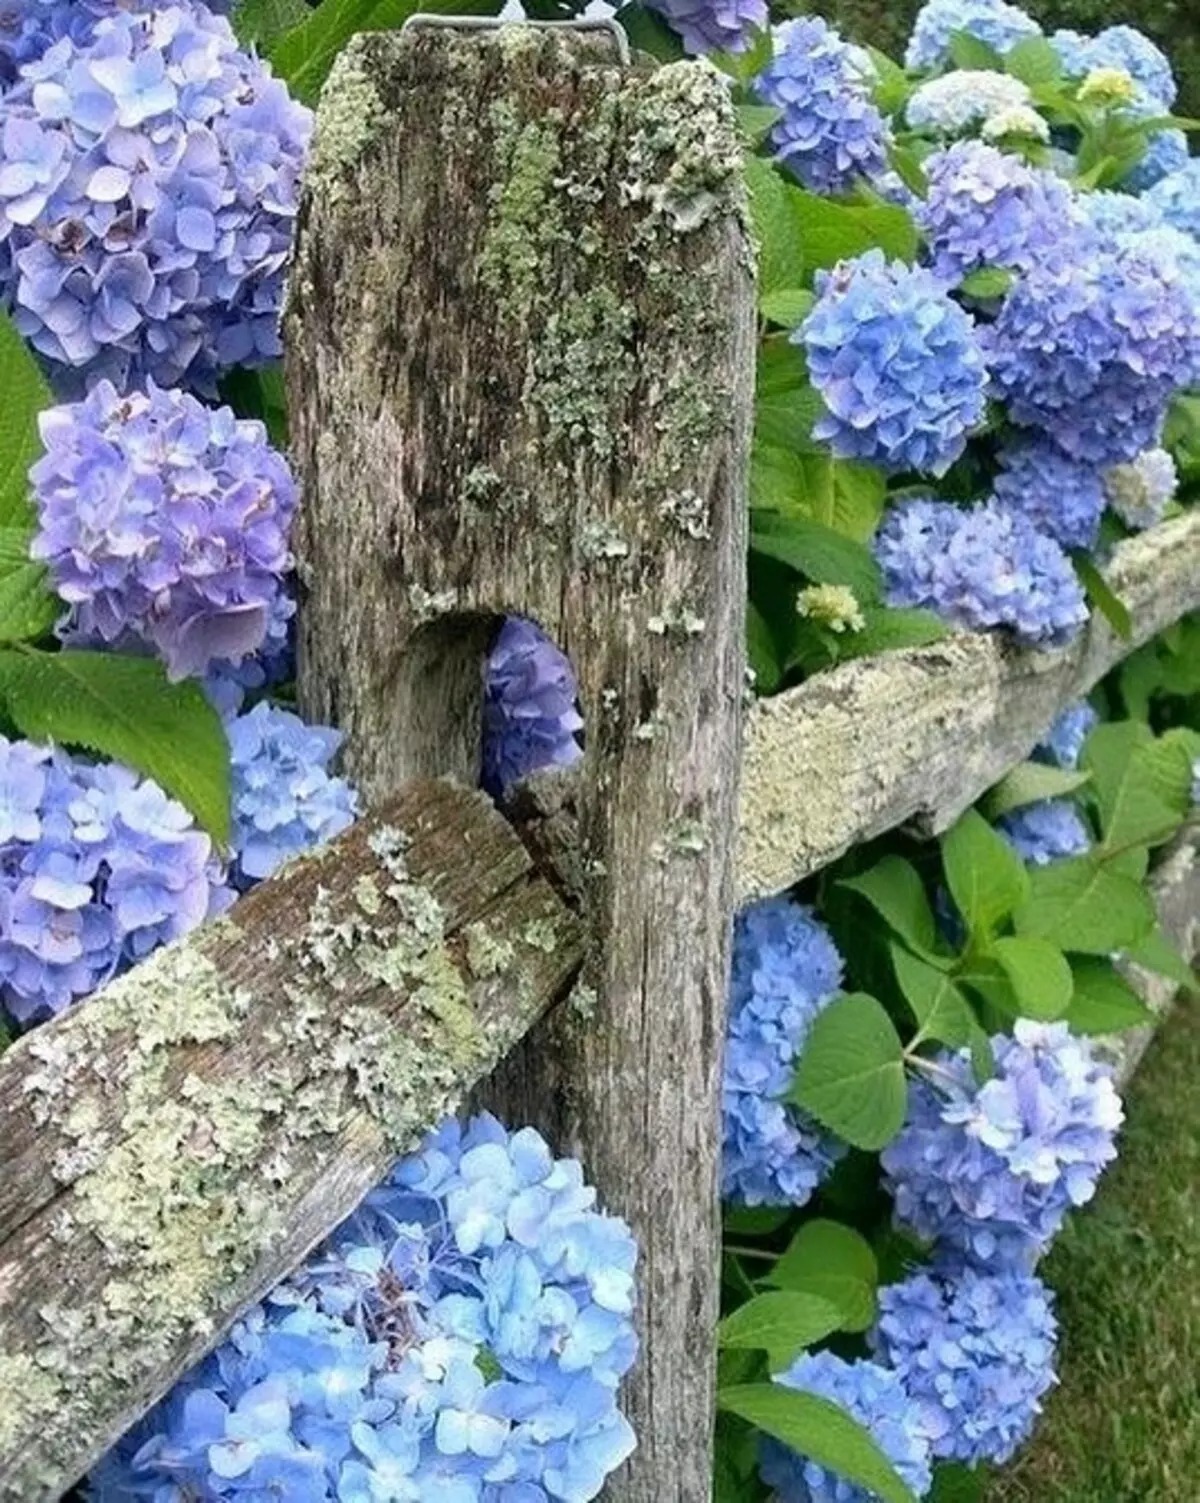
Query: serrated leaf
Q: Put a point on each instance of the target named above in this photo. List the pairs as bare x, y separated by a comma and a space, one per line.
821, 1431
1038, 973
775, 221
1103, 1001
831, 232
835, 1262
967, 51
987, 879
987, 283
259, 23
943, 1014
125, 708
1102, 595
816, 551
893, 629
756, 120
1031, 783
1159, 953
892, 85
785, 405
851, 1073
1085, 906
28, 606
893, 887
1126, 774
23, 395
781, 1323
1034, 61
786, 307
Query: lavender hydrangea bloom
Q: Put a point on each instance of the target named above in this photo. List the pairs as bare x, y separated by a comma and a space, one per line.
830, 133
1062, 744
1141, 491
953, 102
284, 799
1062, 497
530, 720
1177, 199
97, 868
872, 1395
149, 176
989, 1172
1090, 348
1000, 25
1124, 48
165, 520
986, 208
705, 26
980, 567
1050, 830
785, 970
362, 1377
1166, 153
897, 363
976, 1351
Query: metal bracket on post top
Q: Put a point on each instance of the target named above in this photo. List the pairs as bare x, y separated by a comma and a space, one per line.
426, 20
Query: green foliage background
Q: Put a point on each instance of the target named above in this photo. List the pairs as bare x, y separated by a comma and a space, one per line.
1174, 25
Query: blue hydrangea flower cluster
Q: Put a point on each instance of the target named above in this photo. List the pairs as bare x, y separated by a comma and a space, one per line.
876, 1398
1166, 153
460, 1337
785, 970
830, 133
97, 868
705, 26
998, 24
1090, 349
166, 521
530, 715
1177, 199
953, 102
1050, 830
1124, 48
988, 1172
976, 1351
980, 567
1063, 743
987, 208
149, 174
897, 363
285, 801
1063, 497
1141, 491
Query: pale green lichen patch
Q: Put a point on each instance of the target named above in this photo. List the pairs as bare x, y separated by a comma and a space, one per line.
350, 117
488, 954
525, 217
29, 1392
584, 366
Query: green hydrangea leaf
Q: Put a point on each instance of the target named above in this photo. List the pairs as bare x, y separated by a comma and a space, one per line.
942, 1012
781, 1323
1030, 783
833, 1261
851, 1073
23, 395
986, 877
893, 887
1103, 1001
1084, 906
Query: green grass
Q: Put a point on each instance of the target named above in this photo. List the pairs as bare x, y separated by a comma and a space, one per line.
1124, 1424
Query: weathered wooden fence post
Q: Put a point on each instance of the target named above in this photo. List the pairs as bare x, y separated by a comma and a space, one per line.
520, 351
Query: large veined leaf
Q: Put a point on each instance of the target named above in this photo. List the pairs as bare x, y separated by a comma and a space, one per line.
23, 395
851, 1073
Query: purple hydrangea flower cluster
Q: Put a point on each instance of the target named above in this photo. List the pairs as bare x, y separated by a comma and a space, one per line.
998, 24
530, 714
165, 521
97, 868
1050, 830
705, 26
1063, 497
988, 1172
460, 1337
149, 175
872, 1395
897, 363
1126, 49
976, 1351
1090, 348
979, 567
285, 801
785, 970
987, 208
830, 133
1062, 744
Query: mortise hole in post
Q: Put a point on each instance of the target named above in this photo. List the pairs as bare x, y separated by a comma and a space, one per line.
531, 718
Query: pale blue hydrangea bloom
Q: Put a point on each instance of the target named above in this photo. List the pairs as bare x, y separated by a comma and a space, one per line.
980, 567
460, 1338
530, 715
1062, 744
149, 181
954, 102
785, 970
1061, 496
1166, 152
998, 24
705, 26
1050, 830
976, 1351
285, 801
897, 363
987, 208
830, 133
1141, 491
99, 867
1091, 347
1124, 48
1177, 198
989, 1172
876, 1398
166, 521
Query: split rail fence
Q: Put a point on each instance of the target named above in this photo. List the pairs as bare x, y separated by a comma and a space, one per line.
520, 364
